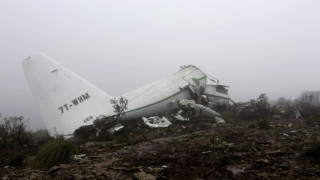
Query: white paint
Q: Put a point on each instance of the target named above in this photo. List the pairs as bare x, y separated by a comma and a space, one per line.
156, 122
55, 88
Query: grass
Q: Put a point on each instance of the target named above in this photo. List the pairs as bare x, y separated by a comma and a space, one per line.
53, 153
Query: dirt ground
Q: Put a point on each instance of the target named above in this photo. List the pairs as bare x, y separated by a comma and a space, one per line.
192, 150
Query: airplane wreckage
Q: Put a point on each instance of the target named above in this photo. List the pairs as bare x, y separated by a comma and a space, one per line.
67, 102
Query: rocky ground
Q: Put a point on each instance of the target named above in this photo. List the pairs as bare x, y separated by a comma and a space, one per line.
192, 150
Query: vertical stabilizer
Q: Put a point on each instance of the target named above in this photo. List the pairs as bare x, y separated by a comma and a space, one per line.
66, 101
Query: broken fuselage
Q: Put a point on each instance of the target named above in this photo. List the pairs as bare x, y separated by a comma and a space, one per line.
67, 101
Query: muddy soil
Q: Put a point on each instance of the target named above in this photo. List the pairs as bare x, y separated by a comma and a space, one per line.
192, 150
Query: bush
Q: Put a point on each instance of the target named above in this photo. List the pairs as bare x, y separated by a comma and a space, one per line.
258, 109
85, 132
307, 109
248, 113
40, 137
229, 117
16, 157
13, 132
104, 125
53, 153
224, 160
263, 124
251, 126
313, 152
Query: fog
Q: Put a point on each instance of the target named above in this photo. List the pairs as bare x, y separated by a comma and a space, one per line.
253, 46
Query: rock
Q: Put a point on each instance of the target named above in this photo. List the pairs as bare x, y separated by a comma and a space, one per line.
173, 149
263, 161
90, 176
126, 164
54, 169
33, 177
237, 169
276, 152
93, 157
108, 162
144, 176
98, 171
65, 166
118, 168
89, 144
155, 169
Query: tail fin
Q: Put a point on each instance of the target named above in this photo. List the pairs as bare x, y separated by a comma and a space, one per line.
66, 101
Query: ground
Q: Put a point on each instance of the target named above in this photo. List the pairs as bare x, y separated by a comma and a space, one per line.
192, 150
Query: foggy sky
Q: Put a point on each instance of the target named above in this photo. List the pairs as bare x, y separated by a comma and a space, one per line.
254, 46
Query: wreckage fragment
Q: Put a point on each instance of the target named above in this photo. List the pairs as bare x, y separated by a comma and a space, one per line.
215, 93
189, 108
179, 117
197, 110
156, 122
219, 120
115, 128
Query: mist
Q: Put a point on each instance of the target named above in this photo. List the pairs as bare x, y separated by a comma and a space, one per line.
254, 47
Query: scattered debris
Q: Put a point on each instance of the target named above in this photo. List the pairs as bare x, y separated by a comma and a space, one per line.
179, 117
219, 120
79, 156
156, 122
238, 169
115, 128
285, 134
197, 110
198, 151
298, 114
144, 176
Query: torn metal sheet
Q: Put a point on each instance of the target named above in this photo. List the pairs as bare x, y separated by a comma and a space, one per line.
197, 110
115, 128
215, 93
179, 117
298, 114
156, 122
219, 120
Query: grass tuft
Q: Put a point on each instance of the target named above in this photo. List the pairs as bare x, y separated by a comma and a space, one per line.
53, 153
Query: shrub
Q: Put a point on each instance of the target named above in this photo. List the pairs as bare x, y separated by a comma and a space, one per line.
258, 109
53, 153
263, 124
251, 126
16, 157
224, 160
313, 152
40, 137
85, 132
229, 117
119, 105
104, 125
13, 132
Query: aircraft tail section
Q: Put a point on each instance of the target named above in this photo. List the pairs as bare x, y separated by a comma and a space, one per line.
66, 101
